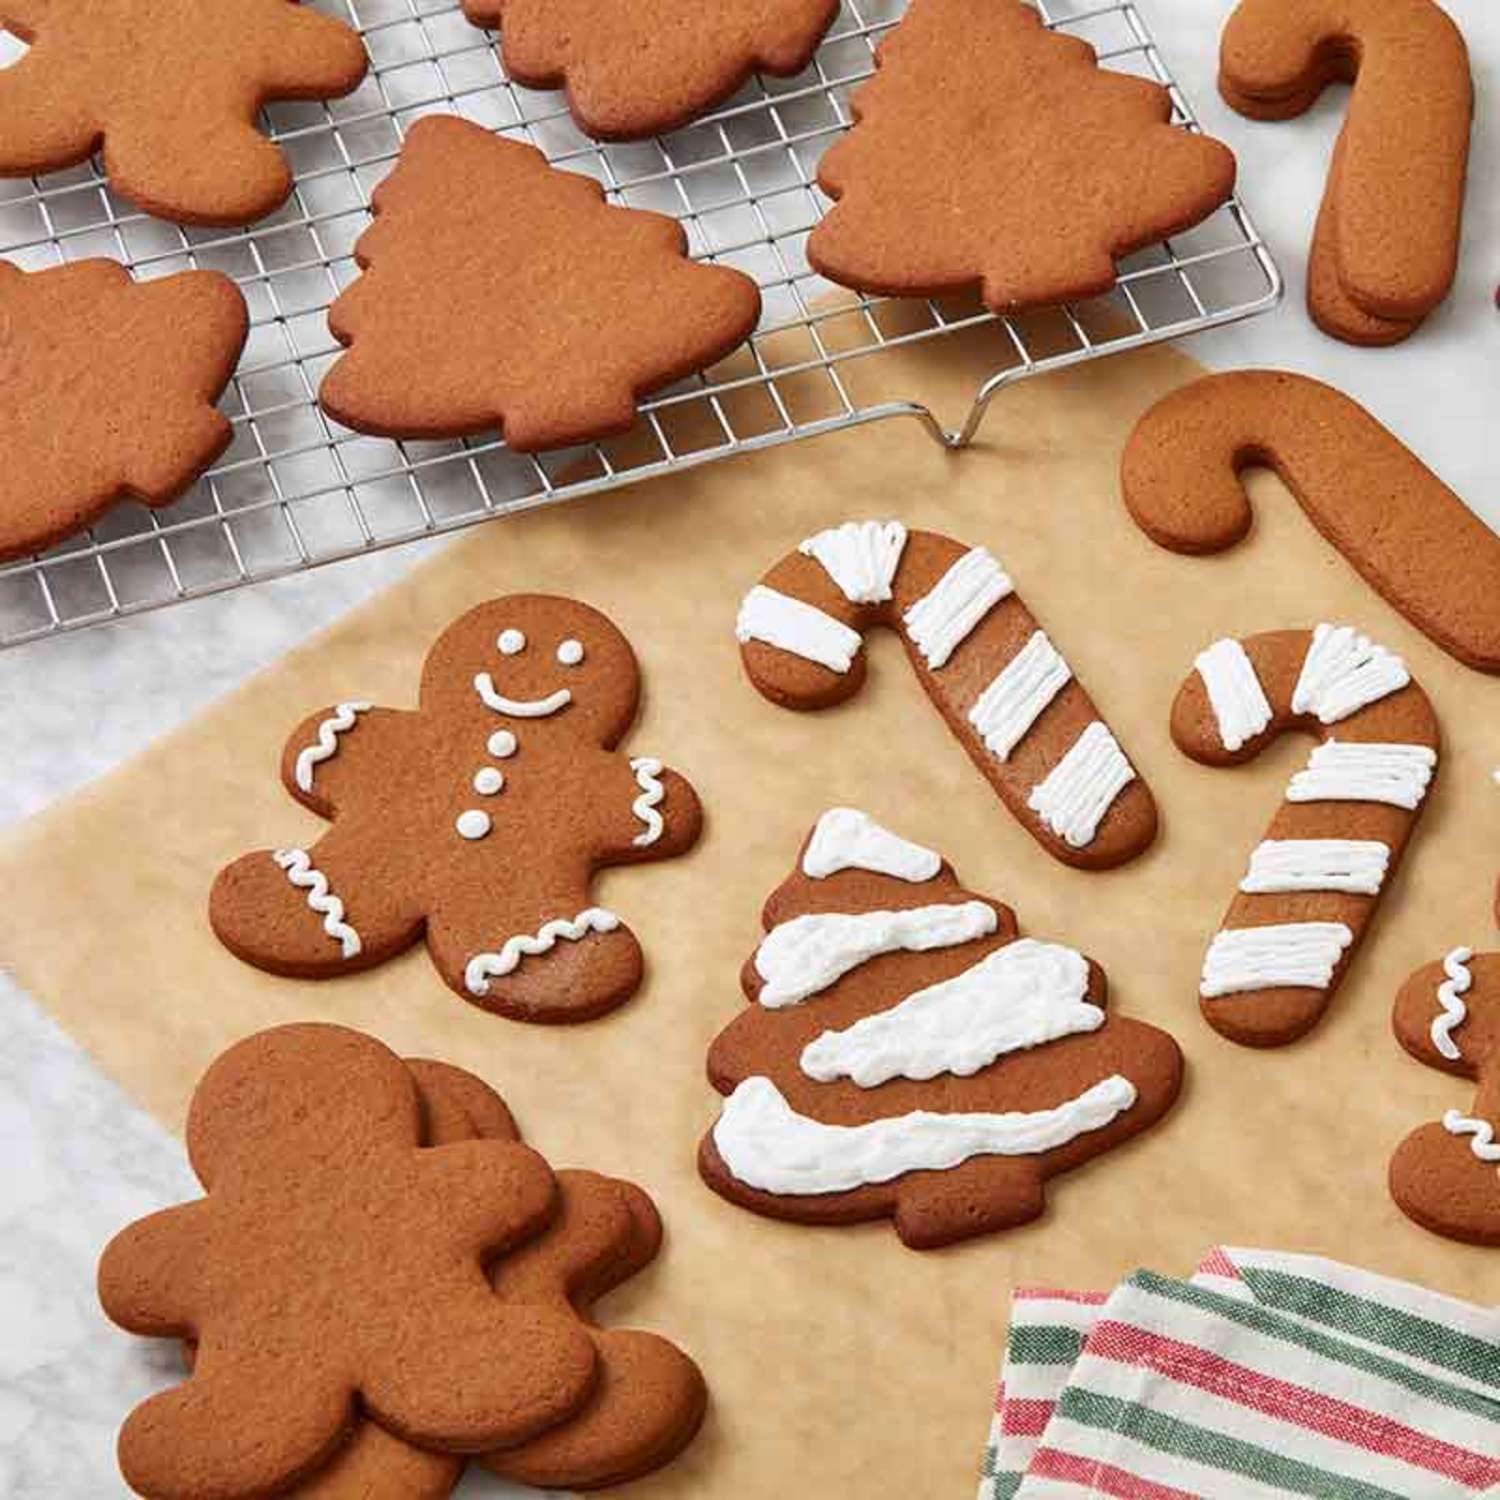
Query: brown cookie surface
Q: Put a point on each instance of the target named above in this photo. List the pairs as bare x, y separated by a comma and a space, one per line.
1312, 885
1386, 245
108, 388
335, 1265
499, 292
477, 819
1407, 534
651, 66
988, 667
906, 1054
1446, 1175
173, 93
989, 152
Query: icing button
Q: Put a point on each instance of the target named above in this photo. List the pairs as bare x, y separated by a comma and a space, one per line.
473, 824
488, 781
502, 744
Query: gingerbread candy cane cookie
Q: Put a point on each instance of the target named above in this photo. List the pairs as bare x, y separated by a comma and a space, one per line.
988, 666
1410, 537
1311, 886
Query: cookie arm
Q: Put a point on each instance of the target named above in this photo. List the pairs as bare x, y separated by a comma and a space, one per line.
147, 1279
654, 813
340, 747
41, 128
317, 57
1418, 1012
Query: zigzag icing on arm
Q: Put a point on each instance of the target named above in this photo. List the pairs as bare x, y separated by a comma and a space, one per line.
299, 870
861, 557
1022, 995
1356, 866
1015, 700
807, 954
1345, 771
1234, 692
339, 722
648, 777
1344, 672
766, 1145
847, 839
791, 625
1484, 1145
484, 967
1286, 954
1082, 786
1455, 1012
943, 618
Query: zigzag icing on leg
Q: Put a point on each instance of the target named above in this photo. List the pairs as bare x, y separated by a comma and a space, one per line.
299, 870
486, 966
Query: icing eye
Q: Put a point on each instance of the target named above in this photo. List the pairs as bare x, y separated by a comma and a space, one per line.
570, 653
511, 642
502, 744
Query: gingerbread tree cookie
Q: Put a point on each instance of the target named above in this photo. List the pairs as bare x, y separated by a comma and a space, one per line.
650, 66
989, 152
478, 818
172, 92
1446, 1175
108, 389
501, 292
907, 1054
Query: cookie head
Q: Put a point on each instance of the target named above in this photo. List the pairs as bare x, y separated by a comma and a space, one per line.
553, 665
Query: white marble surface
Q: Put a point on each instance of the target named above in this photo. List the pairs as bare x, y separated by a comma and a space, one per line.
79, 1160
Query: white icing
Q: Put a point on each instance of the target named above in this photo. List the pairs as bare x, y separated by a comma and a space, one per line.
1014, 701
1343, 672
488, 781
941, 619
1019, 996
511, 642
807, 954
473, 824
1345, 771
484, 967
520, 708
1484, 1145
299, 870
502, 744
570, 653
1455, 1012
861, 557
340, 722
1356, 866
766, 1145
847, 839
1082, 786
792, 625
1298, 955
1234, 692
648, 778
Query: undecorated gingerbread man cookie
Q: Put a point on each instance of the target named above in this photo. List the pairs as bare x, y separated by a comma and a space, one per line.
477, 819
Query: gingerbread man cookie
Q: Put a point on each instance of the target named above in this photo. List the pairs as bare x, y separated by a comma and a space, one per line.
174, 94
987, 665
477, 819
906, 1054
335, 1266
1313, 883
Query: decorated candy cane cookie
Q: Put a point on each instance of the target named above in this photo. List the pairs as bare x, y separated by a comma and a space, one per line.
1410, 537
1310, 887
1446, 1175
907, 1054
988, 666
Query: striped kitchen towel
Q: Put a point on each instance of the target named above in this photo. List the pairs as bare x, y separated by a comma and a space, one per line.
1267, 1374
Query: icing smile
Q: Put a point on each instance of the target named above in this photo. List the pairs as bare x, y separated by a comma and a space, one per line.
520, 708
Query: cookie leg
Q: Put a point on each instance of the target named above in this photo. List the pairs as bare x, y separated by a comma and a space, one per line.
1438, 1182
373, 1465
983, 1194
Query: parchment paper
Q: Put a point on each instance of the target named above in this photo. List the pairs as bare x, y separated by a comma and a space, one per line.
841, 1364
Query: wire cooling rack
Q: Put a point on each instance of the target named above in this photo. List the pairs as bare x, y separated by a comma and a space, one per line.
295, 490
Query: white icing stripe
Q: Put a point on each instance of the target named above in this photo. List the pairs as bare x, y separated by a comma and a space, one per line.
1082, 786
792, 625
861, 557
648, 777
941, 619
1344, 771
299, 870
766, 1145
340, 722
1455, 1012
1343, 672
1297, 955
1356, 866
1014, 701
1234, 693
484, 967
801, 957
847, 839
1484, 1145
1019, 996
520, 708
